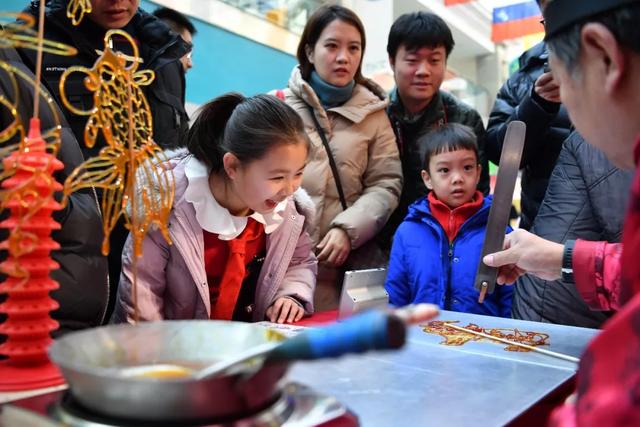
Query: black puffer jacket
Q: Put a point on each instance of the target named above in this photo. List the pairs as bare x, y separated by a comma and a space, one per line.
444, 108
585, 199
82, 276
160, 50
548, 125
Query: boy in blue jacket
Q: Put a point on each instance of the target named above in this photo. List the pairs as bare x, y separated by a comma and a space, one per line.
437, 247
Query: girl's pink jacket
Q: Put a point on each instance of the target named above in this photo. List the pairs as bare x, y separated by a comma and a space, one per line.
172, 282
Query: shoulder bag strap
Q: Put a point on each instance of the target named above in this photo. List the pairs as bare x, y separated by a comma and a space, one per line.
332, 161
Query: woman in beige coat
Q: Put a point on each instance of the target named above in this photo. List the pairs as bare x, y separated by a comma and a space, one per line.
328, 91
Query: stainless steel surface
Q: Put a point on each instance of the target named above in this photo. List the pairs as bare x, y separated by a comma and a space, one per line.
90, 362
478, 383
501, 205
363, 290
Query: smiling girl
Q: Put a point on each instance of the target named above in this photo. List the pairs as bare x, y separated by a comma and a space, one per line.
240, 247
344, 115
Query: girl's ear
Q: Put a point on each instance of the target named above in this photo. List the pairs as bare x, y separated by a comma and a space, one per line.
231, 165
309, 52
426, 178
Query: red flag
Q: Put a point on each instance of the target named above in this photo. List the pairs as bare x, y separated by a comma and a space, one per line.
452, 2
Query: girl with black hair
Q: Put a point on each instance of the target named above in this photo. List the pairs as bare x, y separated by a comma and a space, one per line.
240, 249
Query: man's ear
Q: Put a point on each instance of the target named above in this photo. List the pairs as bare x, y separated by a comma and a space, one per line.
309, 52
600, 49
231, 165
392, 63
426, 178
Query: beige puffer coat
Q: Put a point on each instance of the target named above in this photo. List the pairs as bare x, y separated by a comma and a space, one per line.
364, 148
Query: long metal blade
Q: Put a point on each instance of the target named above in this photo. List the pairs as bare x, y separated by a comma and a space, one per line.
501, 206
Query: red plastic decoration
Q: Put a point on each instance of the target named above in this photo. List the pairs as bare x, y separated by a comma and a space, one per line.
30, 202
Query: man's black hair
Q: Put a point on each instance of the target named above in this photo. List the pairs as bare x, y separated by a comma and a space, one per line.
176, 20
450, 137
419, 29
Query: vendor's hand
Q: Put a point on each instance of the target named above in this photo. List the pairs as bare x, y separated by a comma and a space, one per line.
526, 253
285, 310
334, 247
547, 88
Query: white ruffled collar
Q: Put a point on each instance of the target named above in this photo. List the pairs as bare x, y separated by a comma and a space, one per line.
212, 216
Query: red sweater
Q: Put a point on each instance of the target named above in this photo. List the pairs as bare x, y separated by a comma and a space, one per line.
226, 266
608, 277
452, 220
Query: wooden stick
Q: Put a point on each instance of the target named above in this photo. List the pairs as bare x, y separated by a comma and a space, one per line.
505, 341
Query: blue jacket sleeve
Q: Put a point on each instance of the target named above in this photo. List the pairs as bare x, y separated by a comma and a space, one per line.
397, 283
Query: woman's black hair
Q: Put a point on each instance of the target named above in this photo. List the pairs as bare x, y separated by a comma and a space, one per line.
246, 127
450, 137
316, 24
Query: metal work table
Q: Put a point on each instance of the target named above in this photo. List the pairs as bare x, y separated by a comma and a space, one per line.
478, 383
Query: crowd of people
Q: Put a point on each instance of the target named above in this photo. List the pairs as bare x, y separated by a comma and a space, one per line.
277, 194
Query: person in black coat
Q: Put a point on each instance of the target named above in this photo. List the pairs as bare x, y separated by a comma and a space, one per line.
585, 199
530, 95
160, 49
83, 272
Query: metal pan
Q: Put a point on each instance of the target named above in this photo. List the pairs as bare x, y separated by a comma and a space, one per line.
90, 362
93, 363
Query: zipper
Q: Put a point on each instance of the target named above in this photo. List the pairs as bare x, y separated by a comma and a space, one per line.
448, 290
103, 318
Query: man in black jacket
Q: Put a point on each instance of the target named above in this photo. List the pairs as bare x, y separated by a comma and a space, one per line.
418, 46
160, 49
585, 199
531, 95
83, 273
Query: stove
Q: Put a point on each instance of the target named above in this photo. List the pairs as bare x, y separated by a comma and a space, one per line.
297, 406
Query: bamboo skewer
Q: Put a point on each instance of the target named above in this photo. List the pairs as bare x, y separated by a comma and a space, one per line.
505, 341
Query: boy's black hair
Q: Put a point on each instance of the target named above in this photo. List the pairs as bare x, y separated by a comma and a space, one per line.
419, 29
450, 137
176, 20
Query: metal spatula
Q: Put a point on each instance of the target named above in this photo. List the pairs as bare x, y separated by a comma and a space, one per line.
501, 206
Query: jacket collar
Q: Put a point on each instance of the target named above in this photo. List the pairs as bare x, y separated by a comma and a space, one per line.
534, 57
431, 114
156, 40
212, 216
367, 98
420, 211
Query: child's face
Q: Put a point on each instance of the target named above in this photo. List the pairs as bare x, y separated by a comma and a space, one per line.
262, 184
453, 176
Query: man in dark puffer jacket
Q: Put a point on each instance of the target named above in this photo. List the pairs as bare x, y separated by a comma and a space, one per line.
532, 96
159, 47
586, 199
83, 274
